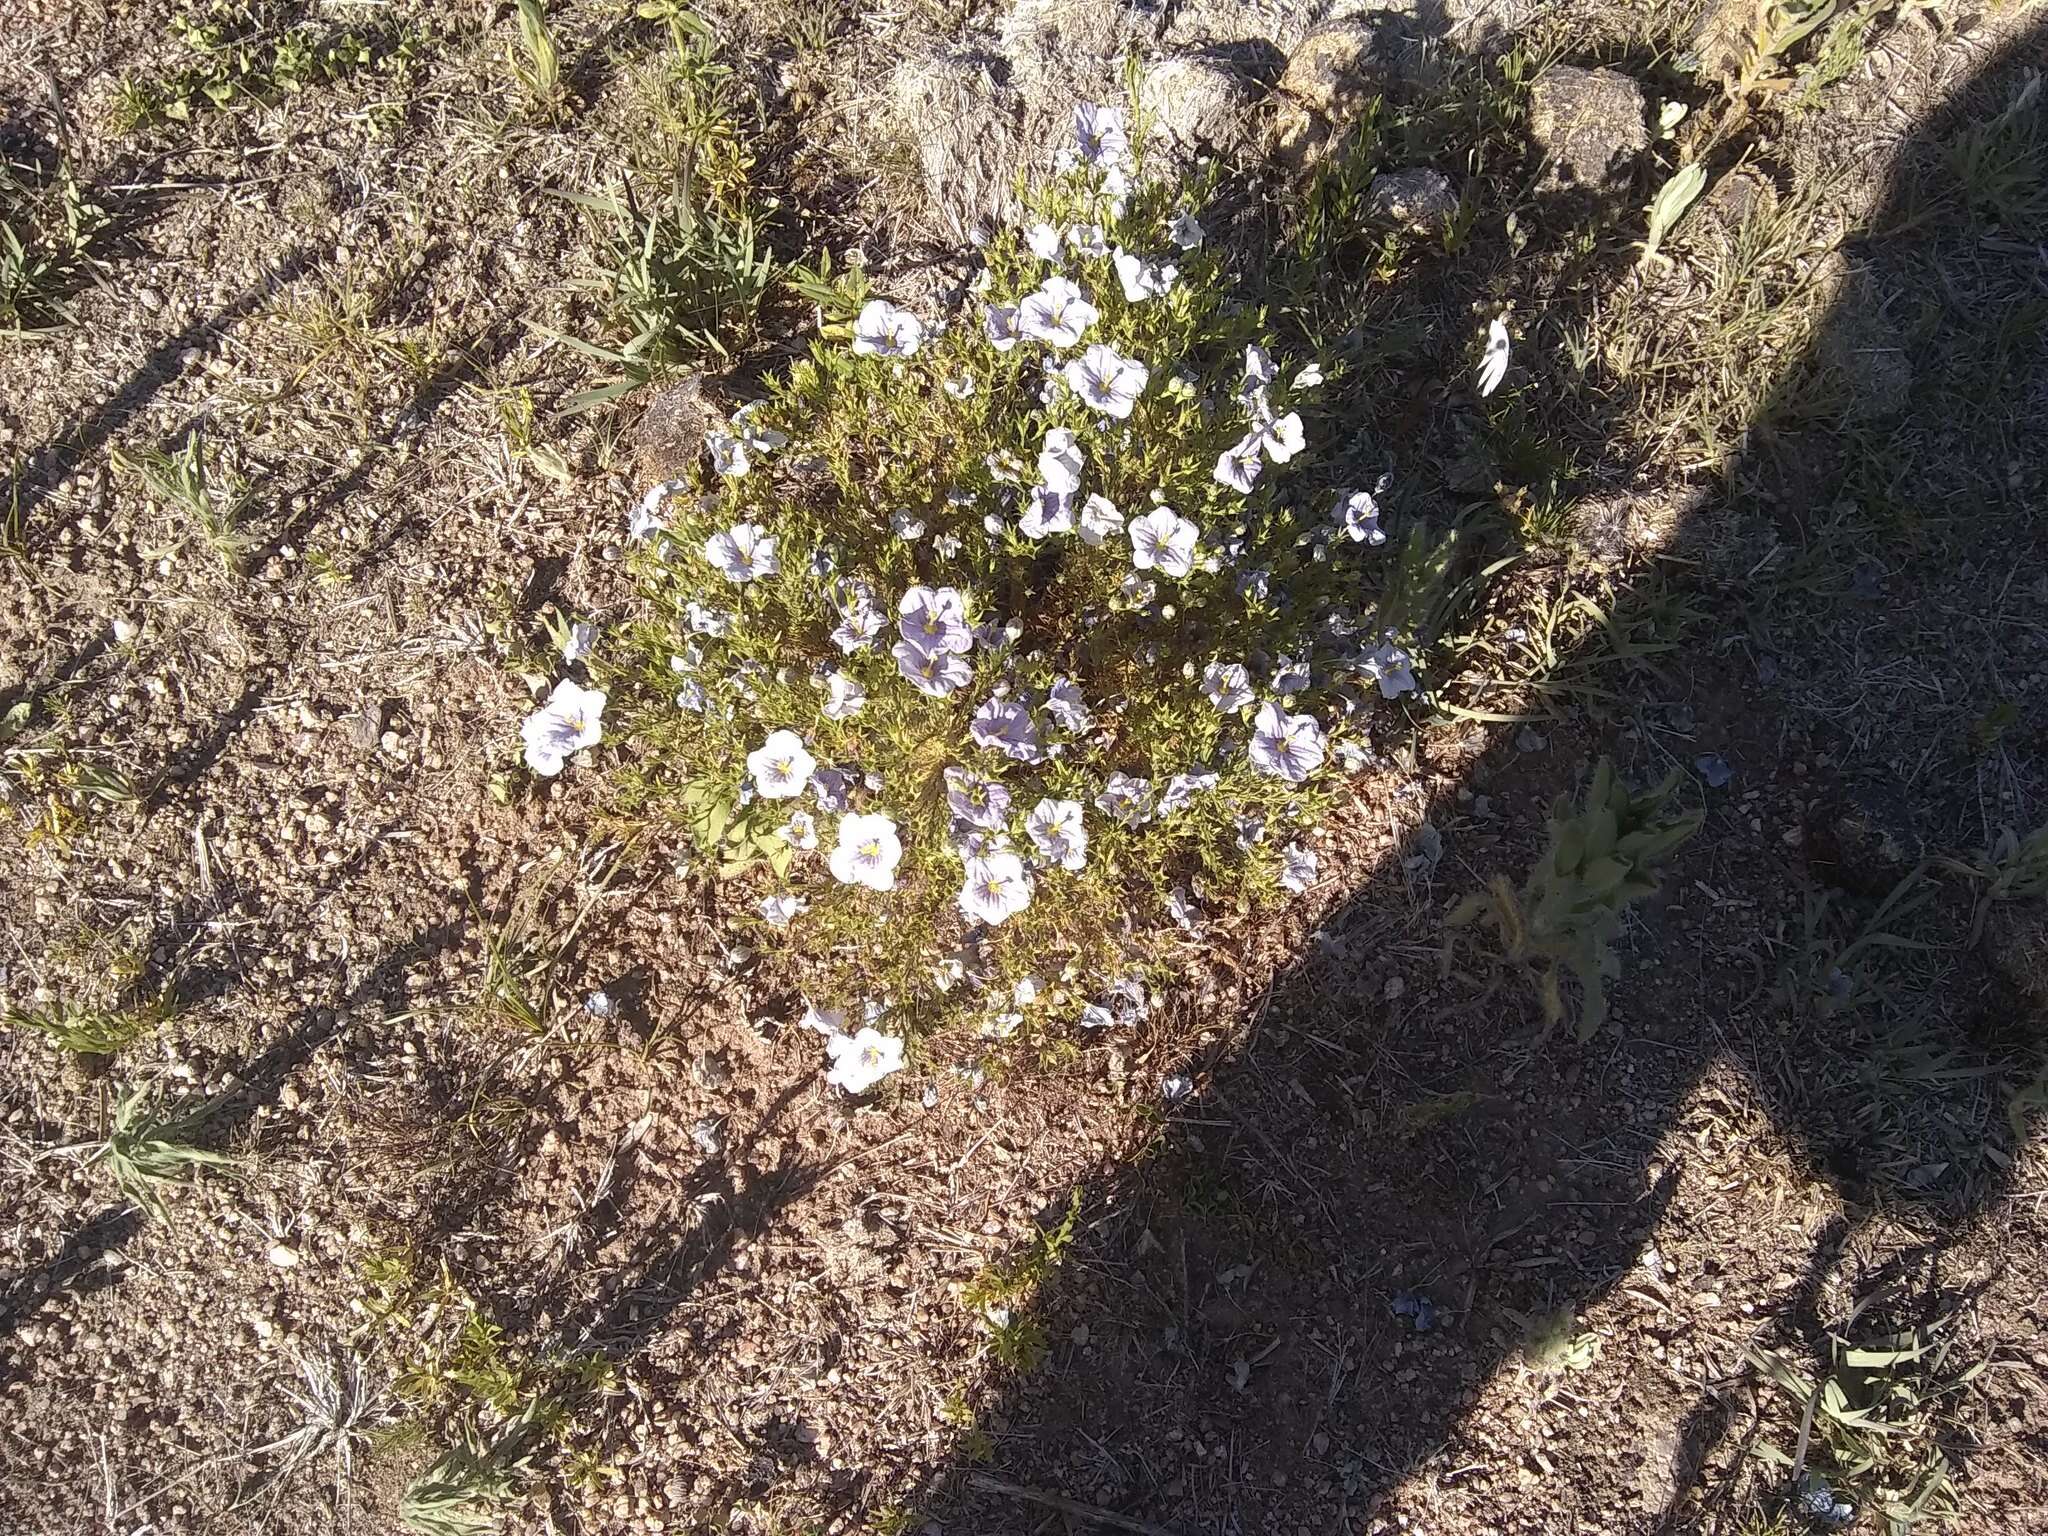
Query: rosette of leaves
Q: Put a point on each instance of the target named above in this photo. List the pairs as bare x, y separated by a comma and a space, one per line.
1601, 860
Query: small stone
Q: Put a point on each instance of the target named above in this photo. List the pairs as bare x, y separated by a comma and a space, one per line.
365, 727
1420, 200
125, 630
284, 1257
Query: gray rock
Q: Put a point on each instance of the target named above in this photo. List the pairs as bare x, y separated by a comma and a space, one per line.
1591, 124
1195, 103
1421, 200
1339, 67
669, 436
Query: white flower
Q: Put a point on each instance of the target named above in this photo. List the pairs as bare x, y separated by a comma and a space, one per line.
1282, 439
1136, 590
1286, 746
1493, 366
1251, 831
862, 1060
1228, 686
646, 519
1185, 231
1310, 376
868, 852
1095, 1016
1050, 512
780, 766
572, 719
1163, 540
742, 553
826, 1021
1056, 831
708, 621
996, 888
1359, 515
1144, 280
1044, 241
1392, 668
778, 910
1176, 1086
1238, 465
1259, 367
1001, 324
728, 454
1056, 314
947, 544
691, 696
906, 525
1059, 461
844, 696
1183, 787
936, 672
960, 386
886, 331
1181, 907
1107, 382
757, 438
1298, 866
1005, 726
1099, 520
1064, 703
1088, 240
801, 830
1100, 134
581, 642
1126, 800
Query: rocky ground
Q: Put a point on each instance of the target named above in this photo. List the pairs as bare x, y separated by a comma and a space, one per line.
517, 1146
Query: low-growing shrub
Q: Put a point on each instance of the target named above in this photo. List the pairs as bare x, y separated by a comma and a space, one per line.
994, 646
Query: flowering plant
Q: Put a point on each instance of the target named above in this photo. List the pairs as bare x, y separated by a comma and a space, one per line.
1004, 634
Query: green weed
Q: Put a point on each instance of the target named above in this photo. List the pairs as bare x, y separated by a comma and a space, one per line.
999, 1295
87, 1031
1874, 1418
206, 502
1601, 860
535, 61
675, 285
48, 232
254, 50
145, 1150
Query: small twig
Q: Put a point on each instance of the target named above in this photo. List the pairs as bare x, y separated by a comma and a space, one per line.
1066, 1506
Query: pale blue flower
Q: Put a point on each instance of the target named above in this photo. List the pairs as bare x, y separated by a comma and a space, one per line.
1057, 314
1099, 521
1285, 746
1003, 725
1228, 685
936, 672
1183, 787
1127, 800
976, 801
883, 330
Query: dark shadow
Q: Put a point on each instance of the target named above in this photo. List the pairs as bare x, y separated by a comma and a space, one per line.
74, 1269
1236, 1335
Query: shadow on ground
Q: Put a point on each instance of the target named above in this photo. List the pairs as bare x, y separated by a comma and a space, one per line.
1234, 1340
